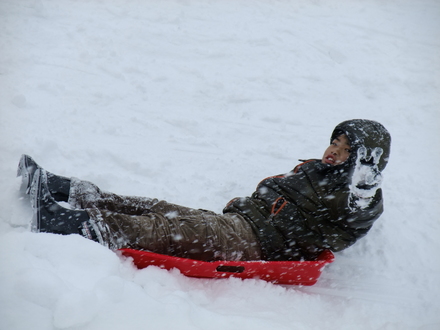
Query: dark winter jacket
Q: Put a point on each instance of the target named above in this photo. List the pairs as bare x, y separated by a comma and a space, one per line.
299, 214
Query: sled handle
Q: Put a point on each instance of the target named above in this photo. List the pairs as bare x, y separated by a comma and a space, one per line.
230, 269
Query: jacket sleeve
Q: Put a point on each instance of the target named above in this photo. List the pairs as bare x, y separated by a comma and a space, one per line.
351, 222
363, 212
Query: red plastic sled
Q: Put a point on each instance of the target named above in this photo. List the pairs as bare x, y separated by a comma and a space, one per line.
280, 272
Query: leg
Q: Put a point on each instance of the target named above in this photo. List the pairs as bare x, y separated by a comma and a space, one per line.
81, 194
219, 237
86, 195
173, 210
202, 236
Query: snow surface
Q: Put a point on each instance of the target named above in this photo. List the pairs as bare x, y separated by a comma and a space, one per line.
195, 102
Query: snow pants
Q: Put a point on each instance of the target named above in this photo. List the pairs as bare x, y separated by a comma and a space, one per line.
165, 228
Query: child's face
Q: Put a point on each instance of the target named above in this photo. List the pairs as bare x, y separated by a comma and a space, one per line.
338, 151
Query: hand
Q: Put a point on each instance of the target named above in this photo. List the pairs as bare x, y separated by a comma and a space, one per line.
366, 177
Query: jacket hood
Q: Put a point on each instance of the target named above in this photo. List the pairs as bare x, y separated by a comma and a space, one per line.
367, 133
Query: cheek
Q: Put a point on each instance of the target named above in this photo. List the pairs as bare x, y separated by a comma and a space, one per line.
345, 156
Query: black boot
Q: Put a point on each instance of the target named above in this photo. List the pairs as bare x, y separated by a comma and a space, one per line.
59, 186
51, 217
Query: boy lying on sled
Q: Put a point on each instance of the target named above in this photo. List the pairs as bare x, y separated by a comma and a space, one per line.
326, 203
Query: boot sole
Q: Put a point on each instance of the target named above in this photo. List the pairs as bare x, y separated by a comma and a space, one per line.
26, 169
34, 192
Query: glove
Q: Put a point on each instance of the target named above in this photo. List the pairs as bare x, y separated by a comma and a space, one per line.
366, 177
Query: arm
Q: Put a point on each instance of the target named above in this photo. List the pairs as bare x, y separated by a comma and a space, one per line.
362, 205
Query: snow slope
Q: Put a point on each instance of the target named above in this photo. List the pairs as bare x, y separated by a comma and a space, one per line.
195, 102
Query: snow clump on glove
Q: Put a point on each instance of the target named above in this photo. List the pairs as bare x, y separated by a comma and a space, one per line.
366, 177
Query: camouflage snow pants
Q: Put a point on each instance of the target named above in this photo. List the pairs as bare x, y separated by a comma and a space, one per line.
165, 228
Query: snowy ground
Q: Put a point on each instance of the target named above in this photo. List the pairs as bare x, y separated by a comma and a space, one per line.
195, 102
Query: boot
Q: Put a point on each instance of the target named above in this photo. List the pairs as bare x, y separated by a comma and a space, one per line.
51, 217
59, 186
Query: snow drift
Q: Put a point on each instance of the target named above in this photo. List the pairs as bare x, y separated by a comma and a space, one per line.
158, 98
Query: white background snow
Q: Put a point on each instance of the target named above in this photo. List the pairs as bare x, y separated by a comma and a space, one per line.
195, 102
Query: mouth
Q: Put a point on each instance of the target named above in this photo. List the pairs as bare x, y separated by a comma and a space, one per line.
329, 159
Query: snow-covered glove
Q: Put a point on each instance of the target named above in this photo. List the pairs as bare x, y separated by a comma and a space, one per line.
366, 177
